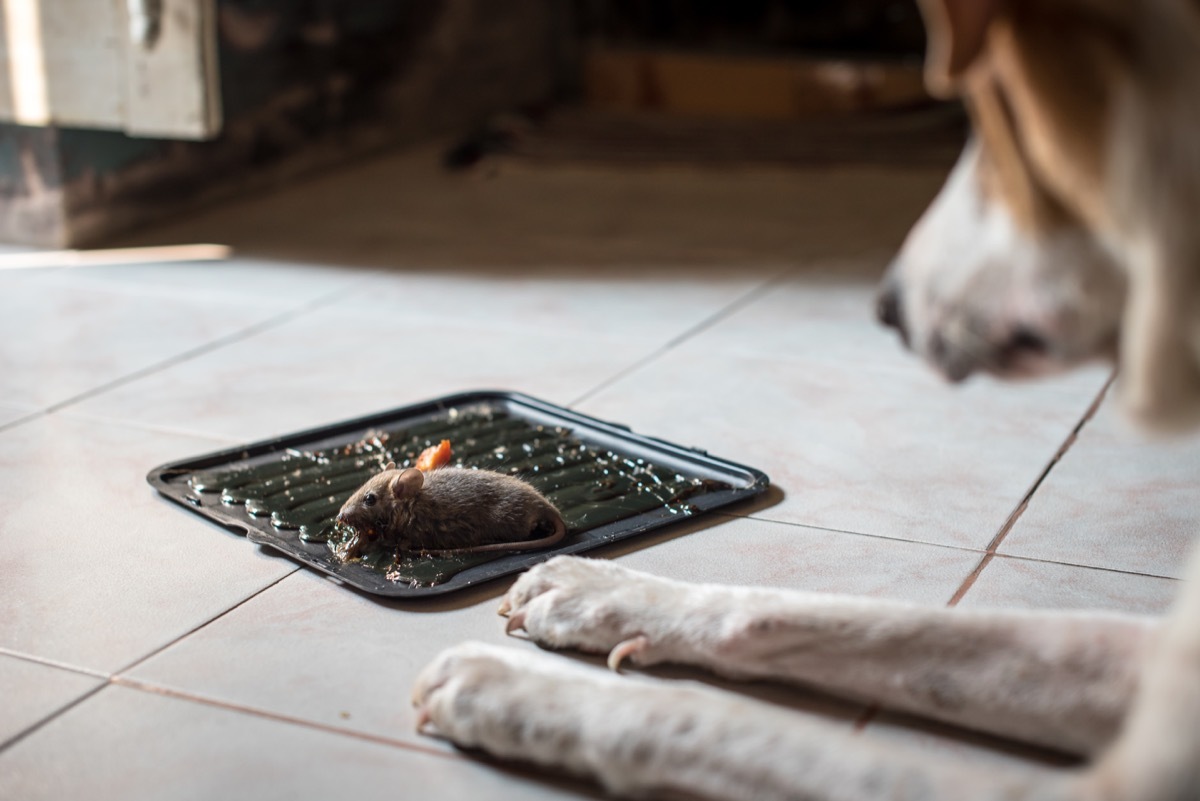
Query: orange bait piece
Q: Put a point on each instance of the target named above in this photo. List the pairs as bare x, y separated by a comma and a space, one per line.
434, 456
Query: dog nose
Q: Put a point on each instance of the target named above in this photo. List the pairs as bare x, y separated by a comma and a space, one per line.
1026, 340
888, 311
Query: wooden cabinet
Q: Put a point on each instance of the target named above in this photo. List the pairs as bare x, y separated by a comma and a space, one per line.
145, 67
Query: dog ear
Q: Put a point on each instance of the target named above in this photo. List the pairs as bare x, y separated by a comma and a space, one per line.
408, 483
956, 30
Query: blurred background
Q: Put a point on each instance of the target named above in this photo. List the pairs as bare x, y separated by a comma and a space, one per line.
117, 113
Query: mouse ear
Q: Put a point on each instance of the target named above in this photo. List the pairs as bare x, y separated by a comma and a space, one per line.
390, 466
408, 483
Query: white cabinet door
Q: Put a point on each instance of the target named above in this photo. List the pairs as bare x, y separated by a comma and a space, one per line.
147, 67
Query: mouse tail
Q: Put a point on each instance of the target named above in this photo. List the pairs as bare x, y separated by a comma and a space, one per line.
560, 531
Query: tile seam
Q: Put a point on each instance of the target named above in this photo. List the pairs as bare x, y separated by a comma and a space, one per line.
156, 689
990, 554
1117, 570
53, 663
852, 532
26, 732
1011, 521
116, 674
752, 294
200, 350
11, 424
154, 428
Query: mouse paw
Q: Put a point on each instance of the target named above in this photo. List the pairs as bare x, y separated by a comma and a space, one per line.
597, 606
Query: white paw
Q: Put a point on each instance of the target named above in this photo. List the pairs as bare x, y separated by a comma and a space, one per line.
447, 691
596, 606
519, 705
637, 737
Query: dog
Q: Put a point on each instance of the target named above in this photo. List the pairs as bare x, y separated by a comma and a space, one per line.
1064, 233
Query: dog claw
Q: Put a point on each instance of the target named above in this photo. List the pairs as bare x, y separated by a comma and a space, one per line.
626, 649
516, 622
504, 609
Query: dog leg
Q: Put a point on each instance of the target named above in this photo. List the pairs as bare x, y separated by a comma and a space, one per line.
1063, 680
644, 738
1157, 757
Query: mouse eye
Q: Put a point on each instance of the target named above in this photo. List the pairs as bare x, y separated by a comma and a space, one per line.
369, 499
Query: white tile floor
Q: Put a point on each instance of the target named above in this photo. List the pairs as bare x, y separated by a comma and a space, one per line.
146, 654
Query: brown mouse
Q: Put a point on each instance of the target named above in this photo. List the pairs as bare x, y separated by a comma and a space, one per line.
449, 511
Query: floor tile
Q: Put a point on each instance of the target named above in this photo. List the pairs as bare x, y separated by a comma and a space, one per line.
11, 279
33, 691
11, 412
1116, 500
1022, 584
824, 312
130, 745
336, 364
342, 659
759, 553
313, 650
644, 305
98, 570
11, 274
243, 282
60, 342
883, 452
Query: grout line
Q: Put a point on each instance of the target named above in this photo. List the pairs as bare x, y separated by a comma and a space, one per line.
748, 297
228, 706
141, 686
22, 420
216, 344
737, 304
1017, 558
116, 679
117, 673
970, 580
53, 663
963, 548
813, 527
21, 735
997, 540
270, 322
990, 554
156, 428
267, 324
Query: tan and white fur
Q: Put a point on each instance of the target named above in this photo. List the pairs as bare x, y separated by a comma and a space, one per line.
1066, 232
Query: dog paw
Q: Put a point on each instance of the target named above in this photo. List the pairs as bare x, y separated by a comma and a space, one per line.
447, 693
636, 736
516, 704
597, 606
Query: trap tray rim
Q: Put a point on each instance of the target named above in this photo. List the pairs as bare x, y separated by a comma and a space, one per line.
746, 482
